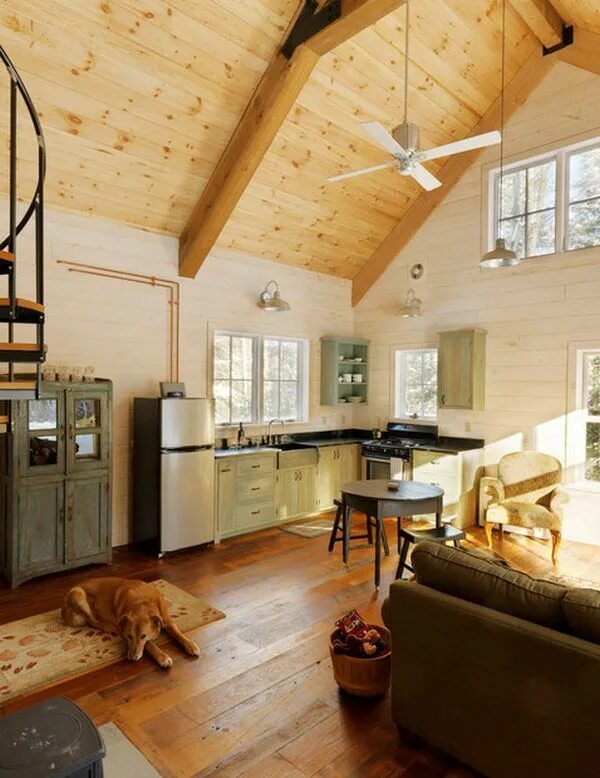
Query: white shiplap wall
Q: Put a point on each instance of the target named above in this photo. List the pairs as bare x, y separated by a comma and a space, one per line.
122, 327
531, 313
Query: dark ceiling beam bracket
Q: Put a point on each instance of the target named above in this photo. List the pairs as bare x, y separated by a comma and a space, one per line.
567, 40
309, 22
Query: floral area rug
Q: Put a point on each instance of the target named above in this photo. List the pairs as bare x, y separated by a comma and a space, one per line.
41, 650
309, 529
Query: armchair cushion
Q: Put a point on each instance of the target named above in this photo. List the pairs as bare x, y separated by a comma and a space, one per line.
523, 514
485, 582
582, 612
529, 475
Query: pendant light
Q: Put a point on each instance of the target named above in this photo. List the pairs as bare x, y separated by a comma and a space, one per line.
501, 255
412, 306
270, 299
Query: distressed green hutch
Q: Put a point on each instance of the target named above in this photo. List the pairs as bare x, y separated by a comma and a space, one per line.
55, 481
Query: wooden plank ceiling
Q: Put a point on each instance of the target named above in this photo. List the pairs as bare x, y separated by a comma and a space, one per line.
139, 98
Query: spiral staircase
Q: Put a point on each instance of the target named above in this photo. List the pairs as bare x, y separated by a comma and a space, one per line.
22, 348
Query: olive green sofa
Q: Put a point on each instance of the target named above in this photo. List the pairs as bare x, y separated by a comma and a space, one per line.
496, 668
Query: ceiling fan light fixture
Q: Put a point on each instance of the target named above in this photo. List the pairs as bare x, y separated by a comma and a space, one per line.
270, 299
499, 256
412, 307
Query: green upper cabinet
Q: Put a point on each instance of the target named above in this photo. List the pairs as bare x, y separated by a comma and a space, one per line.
461, 370
344, 371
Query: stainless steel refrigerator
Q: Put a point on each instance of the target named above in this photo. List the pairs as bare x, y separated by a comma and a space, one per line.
173, 473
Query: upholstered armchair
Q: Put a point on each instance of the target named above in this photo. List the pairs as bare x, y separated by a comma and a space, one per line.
526, 494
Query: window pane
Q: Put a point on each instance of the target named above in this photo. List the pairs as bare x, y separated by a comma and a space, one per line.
289, 400
513, 232
222, 398
593, 386
271, 357
43, 450
222, 363
417, 383
241, 401
87, 413
87, 446
242, 362
540, 233
42, 414
584, 225
592, 451
271, 400
513, 193
541, 186
289, 360
584, 175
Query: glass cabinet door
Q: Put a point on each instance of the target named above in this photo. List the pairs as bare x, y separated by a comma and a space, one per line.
43, 424
88, 427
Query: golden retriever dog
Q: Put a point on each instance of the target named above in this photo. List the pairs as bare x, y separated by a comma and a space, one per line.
134, 610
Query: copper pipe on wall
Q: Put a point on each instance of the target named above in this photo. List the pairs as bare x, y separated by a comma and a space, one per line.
174, 301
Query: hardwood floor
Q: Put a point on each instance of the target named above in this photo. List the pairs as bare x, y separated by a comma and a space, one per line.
261, 701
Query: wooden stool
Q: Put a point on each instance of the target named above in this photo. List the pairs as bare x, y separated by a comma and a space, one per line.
341, 532
442, 534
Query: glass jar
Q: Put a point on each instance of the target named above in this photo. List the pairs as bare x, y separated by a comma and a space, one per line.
63, 373
88, 374
77, 375
48, 372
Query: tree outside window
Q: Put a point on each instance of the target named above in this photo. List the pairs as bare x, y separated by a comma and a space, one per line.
416, 384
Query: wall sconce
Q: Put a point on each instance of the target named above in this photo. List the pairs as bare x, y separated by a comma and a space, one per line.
412, 306
270, 299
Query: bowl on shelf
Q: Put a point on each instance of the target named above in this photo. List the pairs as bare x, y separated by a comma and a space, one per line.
354, 398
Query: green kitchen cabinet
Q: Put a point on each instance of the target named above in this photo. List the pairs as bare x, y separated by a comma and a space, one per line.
461, 370
296, 492
56, 481
337, 465
344, 371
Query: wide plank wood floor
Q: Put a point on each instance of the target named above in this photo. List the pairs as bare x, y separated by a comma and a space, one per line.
261, 700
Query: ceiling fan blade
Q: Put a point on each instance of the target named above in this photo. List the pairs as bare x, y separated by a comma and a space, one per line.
468, 144
361, 172
427, 180
383, 138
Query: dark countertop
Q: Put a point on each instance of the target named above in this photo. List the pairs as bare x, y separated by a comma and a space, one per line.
444, 444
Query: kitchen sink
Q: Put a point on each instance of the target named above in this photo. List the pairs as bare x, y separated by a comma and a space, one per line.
295, 455
290, 446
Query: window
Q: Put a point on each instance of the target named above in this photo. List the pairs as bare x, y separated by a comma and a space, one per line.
548, 204
591, 410
526, 213
416, 384
258, 378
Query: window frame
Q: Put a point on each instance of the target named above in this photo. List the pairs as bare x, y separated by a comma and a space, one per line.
577, 417
491, 200
399, 376
257, 403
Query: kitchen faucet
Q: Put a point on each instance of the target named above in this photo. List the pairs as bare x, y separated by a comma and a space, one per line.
270, 437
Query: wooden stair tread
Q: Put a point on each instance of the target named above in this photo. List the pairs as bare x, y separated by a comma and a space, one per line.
7, 256
19, 347
22, 303
4, 420
16, 385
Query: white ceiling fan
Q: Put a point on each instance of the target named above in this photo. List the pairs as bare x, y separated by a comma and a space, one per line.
403, 143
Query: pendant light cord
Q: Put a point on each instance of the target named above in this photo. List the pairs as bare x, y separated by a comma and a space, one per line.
502, 106
406, 62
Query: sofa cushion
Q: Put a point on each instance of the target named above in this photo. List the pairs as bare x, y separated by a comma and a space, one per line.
484, 582
581, 608
522, 514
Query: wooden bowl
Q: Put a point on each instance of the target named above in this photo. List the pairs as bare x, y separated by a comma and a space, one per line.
363, 677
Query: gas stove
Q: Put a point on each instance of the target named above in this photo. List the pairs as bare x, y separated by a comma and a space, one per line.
399, 439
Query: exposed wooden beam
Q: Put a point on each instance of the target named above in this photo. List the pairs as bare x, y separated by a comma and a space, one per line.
584, 52
264, 115
542, 19
516, 93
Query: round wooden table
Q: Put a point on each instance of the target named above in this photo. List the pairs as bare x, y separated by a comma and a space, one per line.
378, 502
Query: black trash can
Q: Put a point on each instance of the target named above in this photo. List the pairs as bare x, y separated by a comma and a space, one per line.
54, 739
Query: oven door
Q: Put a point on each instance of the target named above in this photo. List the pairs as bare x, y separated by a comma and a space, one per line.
375, 467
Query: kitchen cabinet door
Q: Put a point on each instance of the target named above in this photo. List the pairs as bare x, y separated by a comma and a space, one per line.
349, 463
226, 497
287, 494
461, 370
88, 429
307, 490
40, 434
328, 479
87, 527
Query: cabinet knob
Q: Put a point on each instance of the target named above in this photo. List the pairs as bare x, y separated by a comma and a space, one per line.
443, 399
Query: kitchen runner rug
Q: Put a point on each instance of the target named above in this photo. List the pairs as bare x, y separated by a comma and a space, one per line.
309, 529
41, 650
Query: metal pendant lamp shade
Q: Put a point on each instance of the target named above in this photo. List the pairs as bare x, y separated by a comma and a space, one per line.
270, 299
499, 256
412, 306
